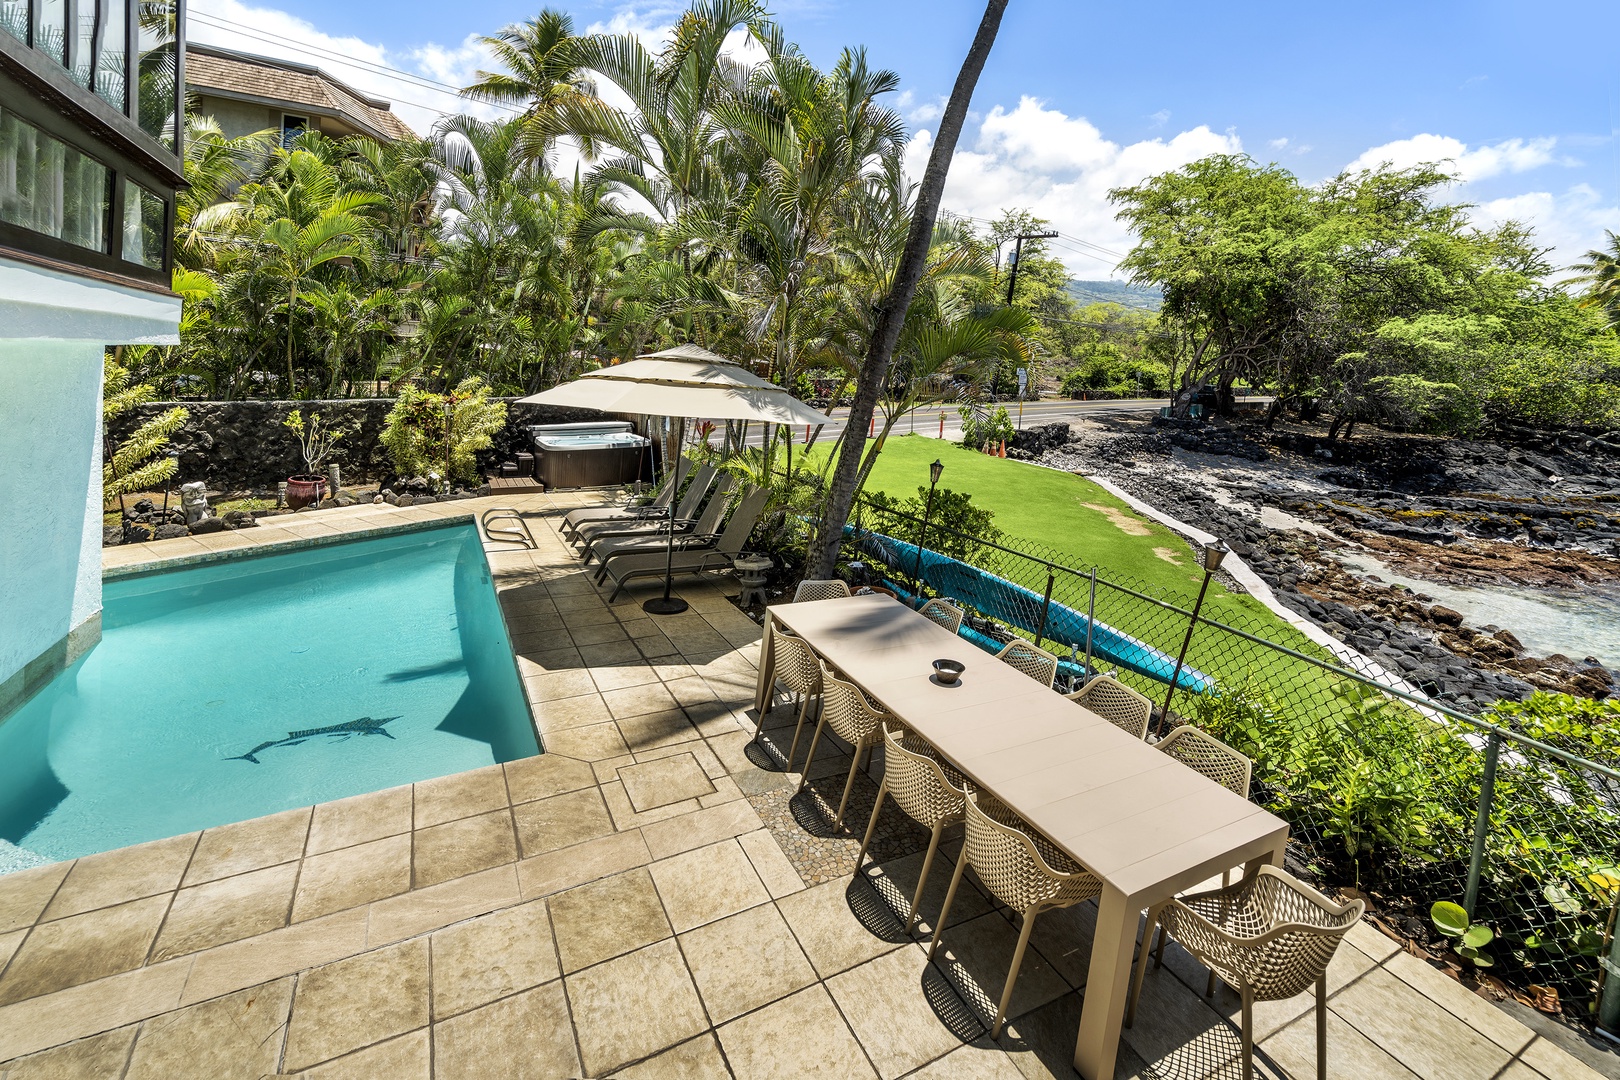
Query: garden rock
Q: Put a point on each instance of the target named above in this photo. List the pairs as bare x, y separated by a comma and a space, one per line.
137, 533
170, 532
205, 525
112, 535
240, 519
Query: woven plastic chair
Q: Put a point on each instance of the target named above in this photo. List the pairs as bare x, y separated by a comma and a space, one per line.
853, 717
798, 668
928, 790
820, 589
1022, 869
1270, 936
1116, 703
1206, 754
1038, 664
943, 612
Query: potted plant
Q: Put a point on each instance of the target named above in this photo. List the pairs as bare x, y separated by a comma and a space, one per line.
315, 442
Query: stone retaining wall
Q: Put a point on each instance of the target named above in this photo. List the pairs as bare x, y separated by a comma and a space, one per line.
236, 445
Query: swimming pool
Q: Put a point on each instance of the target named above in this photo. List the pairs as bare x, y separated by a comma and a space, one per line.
228, 690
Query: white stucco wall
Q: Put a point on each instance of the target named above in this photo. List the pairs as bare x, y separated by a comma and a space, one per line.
50, 487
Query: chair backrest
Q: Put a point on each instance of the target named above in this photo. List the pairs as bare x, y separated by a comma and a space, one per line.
1117, 703
820, 589
849, 712
672, 481
916, 781
1038, 664
702, 478
943, 612
797, 665
1016, 868
709, 523
1206, 754
743, 520
1280, 941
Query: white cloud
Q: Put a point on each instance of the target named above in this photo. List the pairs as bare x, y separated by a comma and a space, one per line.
1160, 118
1571, 222
1479, 163
1060, 168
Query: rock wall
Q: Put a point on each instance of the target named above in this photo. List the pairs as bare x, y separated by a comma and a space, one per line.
237, 445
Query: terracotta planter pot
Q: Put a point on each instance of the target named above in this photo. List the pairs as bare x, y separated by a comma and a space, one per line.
304, 490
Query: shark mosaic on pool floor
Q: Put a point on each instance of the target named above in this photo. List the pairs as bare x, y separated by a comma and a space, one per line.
648, 898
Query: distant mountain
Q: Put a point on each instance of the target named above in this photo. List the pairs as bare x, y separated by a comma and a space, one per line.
1115, 292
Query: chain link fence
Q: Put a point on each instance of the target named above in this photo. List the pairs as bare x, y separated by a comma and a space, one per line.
1385, 790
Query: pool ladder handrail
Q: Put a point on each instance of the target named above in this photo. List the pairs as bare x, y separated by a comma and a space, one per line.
507, 535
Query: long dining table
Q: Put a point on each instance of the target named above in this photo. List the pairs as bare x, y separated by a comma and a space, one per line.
1143, 823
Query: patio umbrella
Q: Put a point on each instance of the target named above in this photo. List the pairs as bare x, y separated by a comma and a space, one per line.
685, 382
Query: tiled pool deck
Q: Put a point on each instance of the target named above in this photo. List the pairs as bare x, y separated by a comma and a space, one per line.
644, 900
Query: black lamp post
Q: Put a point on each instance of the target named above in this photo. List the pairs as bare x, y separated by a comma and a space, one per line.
1213, 554
934, 471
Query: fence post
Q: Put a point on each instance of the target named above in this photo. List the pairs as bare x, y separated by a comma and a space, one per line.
1046, 607
1482, 820
1091, 620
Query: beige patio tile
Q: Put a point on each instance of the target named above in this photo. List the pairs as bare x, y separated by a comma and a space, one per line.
460, 795
597, 633
527, 1036
774, 868
691, 690
533, 622
95, 1058
625, 816
979, 1060
633, 1006
745, 961
665, 780
531, 662
976, 954
652, 730
560, 821
801, 1035
9, 944
697, 1059
1471, 1009
568, 867
1554, 1062
706, 884
359, 819
1420, 1034
229, 909
657, 647
607, 918
833, 938
24, 895
623, 676
640, 627
251, 961
89, 1009
638, 700
237, 1037
566, 714
556, 685
357, 1002
700, 828
589, 742
465, 846
83, 948
545, 775
407, 1057
1350, 1053
130, 873
611, 652
440, 905
249, 845
491, 957
351, 876
671, 668
890, 1012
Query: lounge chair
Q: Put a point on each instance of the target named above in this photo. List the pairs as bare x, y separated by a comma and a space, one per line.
666, 494
691, 557
685, 510
705, 527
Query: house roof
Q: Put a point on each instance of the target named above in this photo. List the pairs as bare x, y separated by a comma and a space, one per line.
267, 81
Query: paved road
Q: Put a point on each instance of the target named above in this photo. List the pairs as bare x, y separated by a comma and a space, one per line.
925, 420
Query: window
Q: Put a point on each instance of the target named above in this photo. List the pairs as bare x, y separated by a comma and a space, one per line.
51, 188
291, 128
145, 216
14, 18
50, 29
111, 81
159, 63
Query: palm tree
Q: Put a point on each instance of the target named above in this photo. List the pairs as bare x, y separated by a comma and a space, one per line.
1601, 274
542, 75
215, 168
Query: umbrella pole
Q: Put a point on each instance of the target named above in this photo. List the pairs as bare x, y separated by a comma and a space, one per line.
667, 604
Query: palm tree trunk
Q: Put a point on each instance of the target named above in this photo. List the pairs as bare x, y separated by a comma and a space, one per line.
292, 299
891, 315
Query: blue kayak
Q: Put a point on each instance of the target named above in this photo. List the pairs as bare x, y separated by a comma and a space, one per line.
1006, 602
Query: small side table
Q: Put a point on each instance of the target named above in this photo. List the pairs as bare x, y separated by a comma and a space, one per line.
752, 569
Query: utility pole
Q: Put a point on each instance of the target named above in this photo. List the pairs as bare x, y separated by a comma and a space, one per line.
1018, 257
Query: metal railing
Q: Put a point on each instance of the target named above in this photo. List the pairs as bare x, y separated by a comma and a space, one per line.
1386, 789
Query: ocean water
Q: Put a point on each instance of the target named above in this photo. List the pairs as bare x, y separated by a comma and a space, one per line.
227, 691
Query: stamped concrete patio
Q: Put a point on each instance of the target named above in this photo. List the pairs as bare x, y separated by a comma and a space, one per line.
646, 899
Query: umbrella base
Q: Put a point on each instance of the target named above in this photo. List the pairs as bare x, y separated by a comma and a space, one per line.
664, 605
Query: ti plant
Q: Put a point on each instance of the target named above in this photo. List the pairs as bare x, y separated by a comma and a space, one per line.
1467, 938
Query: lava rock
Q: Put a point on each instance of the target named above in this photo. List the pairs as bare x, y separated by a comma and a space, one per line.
170, 532
112, 535
136, 532
1445, 616
240, 519
206, 525
145, 506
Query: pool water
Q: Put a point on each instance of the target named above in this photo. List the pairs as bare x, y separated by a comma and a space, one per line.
234, 689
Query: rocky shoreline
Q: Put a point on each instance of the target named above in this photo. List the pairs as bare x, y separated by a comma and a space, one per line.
1536, 515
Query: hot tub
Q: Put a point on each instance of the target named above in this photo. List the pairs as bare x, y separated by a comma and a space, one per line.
588, 455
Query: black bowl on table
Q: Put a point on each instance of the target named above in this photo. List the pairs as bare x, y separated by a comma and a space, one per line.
948, 671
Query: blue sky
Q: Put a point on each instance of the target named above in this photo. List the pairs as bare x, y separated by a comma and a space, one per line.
1524, 98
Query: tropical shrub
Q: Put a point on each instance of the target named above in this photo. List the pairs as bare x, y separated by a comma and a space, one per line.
956, 527
134, 464
982, 426
415, 434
